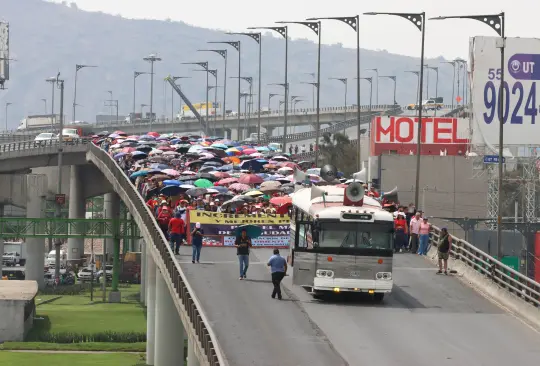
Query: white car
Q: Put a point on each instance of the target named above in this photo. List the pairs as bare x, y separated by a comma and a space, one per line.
11, 259
44, 138
85, 274
108, 271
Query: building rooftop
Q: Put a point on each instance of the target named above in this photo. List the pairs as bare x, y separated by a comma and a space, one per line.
18, 290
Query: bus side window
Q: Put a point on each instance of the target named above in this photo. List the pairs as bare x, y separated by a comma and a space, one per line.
304, 236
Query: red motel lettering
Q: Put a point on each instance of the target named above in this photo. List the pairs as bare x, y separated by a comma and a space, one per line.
435, 130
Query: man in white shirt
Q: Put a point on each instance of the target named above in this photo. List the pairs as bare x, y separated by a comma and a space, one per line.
414, 227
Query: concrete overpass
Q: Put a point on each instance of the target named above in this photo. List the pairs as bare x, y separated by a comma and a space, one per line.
474, 318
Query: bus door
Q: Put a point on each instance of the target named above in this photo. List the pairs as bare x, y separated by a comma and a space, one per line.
305, 261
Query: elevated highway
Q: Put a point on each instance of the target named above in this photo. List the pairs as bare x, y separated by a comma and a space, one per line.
427, 320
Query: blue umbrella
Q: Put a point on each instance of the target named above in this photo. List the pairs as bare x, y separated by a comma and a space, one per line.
262, 148
171, 182
140, 173
159, 166
171, 190
119, 155
220, 146
221, 189
187, 186
251, 230
225, 168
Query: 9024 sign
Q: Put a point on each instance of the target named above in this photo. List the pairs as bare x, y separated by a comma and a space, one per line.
523, 98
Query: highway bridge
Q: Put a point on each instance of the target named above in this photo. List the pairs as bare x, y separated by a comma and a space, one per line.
486, 314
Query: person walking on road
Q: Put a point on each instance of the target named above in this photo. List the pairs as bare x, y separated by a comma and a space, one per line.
196, 242
414, 227
242, 244
278, 267
177, 232
443, 250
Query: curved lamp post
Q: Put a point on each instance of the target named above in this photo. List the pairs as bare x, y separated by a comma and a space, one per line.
222, 53
151, 58
453, 63
283, 31
77, 68
497, 23
418, 19
136, 74
204, 65
393, 78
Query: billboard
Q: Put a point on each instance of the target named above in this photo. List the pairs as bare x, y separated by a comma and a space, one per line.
219, 228
201, 107
521, 74
4, 51
399, 135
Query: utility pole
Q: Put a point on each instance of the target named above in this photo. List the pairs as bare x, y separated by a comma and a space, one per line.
59, 200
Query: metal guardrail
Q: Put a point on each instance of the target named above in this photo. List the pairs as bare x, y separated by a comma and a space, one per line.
184, 292
506, 277
31, 144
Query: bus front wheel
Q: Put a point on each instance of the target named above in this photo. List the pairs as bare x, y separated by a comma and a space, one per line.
378, 297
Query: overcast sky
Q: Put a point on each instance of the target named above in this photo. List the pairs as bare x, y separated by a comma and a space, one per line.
447, 38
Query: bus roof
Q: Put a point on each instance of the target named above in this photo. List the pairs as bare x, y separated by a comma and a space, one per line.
332, 205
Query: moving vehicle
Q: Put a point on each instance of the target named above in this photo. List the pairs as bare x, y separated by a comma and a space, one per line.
342, 240
77, 131
44, 138
429, 104
38, 121
14, 254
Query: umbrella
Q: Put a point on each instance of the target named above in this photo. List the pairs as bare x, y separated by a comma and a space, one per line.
187, 186
239, 187
280, 158
220, 146
206, 169
146, 138
128, 149
171, 172
225, 195
270, 185
159, 166
196, 192
144, 148
232, 203
207, 176
250, 179
220, 189
285, 170
137, 155
153, 134
170, 182
140, 173
227, 181
171, 190
119, 155
203, 183
314, 171
220, 175
252, 231
254, 193
160, 177
279, 201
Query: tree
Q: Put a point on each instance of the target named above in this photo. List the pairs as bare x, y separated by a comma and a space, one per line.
336, 149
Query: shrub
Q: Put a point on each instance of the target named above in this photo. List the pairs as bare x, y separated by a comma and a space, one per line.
72, 337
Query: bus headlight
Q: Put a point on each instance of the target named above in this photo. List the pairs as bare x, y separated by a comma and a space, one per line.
324, 273
384, 275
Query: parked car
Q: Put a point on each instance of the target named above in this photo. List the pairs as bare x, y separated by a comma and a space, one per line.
11, 259
108, 271
85, 274
44, 138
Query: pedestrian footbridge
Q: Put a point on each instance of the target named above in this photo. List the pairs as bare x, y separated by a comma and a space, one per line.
486, 314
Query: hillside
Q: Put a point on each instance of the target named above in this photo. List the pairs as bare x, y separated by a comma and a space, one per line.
47, 38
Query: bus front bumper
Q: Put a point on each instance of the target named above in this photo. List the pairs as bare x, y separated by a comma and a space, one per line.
352, 285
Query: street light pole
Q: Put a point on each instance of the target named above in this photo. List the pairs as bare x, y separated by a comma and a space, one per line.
283, 31
222, 53
418, 19
354, 23
249, 80
377, 89
52, 80
110, 107
135, 75
151, 58
257, 37
77, 68
238, 46
314, 76
315, 26
394, 78
368, 169
453, 63
7, 105
417, 73
436, 69
58, 242
45, 102
344, 81
497, 23
270, 96
204, 65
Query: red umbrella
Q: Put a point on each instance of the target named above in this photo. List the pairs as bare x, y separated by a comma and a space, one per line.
280, 201
226, 181
120, 133
127, 150
155, 134
239, 187
249, 151
250, 179
289, 164
221, 175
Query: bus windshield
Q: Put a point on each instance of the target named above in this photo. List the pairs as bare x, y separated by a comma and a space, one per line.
356, 235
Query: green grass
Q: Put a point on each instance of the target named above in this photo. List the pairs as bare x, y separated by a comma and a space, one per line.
80, 315
110, 359
88, 346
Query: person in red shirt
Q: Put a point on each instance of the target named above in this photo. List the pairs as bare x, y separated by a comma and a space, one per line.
400, 224
163, 218
177, 232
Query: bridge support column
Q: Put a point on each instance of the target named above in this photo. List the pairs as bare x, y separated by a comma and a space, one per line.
111, 210
35, 247
77, 210
169, 331
1, 241
234, 134
142, 296
191, 358
150, 300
